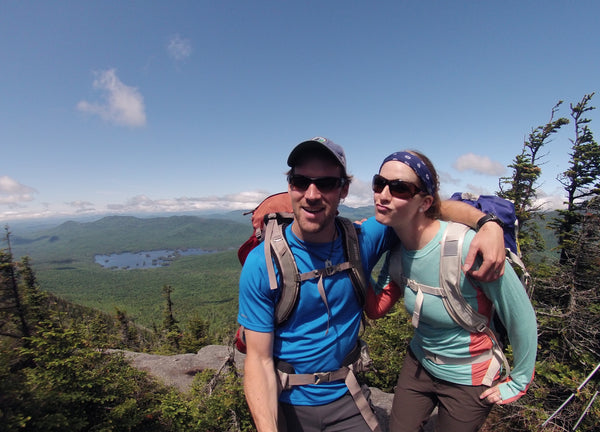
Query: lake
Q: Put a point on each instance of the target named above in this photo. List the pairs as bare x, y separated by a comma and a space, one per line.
145, 259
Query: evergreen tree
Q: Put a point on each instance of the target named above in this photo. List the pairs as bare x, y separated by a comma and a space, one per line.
521, 187
568, 302
388, 339
170, 326
75, 387
581, 181
34, 298
195, 335
13, 314
568, 311
52, 378
126, 332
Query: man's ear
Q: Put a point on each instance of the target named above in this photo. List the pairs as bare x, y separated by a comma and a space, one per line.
344, 191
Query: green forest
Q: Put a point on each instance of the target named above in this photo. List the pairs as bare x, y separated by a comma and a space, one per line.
60, 311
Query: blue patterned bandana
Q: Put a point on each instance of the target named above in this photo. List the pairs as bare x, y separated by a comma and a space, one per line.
417, 165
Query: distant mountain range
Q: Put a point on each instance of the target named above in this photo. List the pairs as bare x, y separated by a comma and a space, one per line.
110, 234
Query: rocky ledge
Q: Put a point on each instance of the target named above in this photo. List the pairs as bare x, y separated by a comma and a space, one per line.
179, 370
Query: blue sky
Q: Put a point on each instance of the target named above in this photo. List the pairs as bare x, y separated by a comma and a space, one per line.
123, 107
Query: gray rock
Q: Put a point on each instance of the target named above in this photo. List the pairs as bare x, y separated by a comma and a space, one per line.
179, 370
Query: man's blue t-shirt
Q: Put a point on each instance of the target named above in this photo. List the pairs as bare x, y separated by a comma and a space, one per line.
317, 336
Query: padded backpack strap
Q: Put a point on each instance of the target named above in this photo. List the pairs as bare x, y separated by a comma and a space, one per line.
456, 305
519, 266
450, 270
276, 246
352, 251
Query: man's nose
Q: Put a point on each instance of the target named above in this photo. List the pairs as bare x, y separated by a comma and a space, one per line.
312, 192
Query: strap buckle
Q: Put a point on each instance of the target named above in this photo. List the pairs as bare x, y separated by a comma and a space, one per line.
322, 377
330, 269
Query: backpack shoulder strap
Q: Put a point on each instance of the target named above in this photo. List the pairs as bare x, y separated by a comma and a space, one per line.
277, 247
456, 305
450, 270
519, 266
352, 251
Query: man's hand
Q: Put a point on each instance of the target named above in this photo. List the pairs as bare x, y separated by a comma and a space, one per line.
489, 243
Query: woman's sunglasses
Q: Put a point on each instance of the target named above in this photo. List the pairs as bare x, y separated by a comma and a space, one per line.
398, 188
324, 184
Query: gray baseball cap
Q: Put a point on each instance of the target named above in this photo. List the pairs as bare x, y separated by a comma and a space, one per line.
317, 143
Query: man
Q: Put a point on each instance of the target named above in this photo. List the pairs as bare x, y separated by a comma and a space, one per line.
325, 323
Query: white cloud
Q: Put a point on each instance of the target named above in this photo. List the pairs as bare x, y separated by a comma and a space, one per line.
82, 206
551, 201
360, 194
143, 203
122, 104
179, 48
447, 178
479, 164
12, 192
478, 189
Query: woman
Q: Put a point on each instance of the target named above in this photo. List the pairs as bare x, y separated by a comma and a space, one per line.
446, 365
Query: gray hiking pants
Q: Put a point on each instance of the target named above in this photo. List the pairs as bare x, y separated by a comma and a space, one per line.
339, 415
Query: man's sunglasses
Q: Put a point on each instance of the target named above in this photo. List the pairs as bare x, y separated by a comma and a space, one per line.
398, 188
324, 184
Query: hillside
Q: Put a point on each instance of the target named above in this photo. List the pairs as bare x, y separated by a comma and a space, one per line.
63, 258
114, 234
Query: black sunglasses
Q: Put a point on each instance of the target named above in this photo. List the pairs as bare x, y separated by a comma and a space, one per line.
324, 184
398, 188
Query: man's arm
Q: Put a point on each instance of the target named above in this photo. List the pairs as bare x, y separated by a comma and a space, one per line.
260, 380
488, 242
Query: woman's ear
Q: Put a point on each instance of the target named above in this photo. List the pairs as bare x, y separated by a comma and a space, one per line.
427, 202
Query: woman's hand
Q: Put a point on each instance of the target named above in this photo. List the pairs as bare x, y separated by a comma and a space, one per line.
492, 395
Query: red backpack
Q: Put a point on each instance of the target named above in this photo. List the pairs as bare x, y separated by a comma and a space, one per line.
277, 203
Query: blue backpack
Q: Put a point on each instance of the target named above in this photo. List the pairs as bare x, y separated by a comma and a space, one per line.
501, 207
